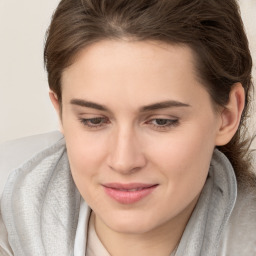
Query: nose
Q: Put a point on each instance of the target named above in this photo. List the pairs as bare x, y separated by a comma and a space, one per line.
126, 155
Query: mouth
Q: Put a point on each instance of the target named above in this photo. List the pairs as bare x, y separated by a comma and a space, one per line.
128, 193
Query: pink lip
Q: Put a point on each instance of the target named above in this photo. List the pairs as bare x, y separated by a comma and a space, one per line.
128, 193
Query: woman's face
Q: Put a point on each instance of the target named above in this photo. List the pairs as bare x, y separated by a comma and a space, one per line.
140, 131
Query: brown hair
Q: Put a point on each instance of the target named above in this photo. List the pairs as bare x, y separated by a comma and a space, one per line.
212, 28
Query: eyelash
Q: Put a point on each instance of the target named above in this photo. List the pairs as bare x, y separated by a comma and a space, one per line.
169, 123
86, 122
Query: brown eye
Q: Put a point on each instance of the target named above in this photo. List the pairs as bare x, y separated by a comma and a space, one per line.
95, 122
161, 121
164, 122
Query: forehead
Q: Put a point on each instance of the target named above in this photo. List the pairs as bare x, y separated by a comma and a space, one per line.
135, 70
127, 53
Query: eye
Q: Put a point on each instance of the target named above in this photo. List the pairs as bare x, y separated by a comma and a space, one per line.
95, 122
163, 123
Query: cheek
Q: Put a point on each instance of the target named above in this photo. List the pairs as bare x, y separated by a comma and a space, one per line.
86, 155
184, 158
85, 163
84, 148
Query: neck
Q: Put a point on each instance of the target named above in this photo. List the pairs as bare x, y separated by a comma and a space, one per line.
161, 241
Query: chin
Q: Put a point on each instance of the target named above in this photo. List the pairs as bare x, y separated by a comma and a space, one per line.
130, 223
131, 228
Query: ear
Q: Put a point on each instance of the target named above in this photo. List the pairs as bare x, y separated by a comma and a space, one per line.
231, 115
55, 101
57, 107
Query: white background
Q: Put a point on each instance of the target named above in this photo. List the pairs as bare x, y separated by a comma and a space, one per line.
25, 108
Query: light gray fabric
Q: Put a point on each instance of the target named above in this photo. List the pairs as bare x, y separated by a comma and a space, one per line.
5, 249
82, 229
239, 237
16, 152
13, 154
204, 229
40, 207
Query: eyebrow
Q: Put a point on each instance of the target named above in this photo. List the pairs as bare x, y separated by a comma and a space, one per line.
88, 104
162, 105
155, 106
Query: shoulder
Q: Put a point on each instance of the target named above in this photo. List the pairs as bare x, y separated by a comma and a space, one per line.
5, 249
12, 155
16, 152
239, 236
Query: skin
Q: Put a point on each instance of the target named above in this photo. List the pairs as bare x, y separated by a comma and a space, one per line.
122, 138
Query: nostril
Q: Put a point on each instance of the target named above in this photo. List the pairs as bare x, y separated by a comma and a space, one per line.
127, 167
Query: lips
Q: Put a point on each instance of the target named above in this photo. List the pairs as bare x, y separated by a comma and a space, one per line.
128, 193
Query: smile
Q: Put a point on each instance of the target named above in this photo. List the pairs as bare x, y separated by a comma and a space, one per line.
128, 193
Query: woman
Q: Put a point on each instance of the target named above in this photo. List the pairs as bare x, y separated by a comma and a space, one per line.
152, 98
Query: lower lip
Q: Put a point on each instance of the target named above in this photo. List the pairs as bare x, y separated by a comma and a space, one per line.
128, 197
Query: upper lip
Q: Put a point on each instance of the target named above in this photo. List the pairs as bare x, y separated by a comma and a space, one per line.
128, 186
